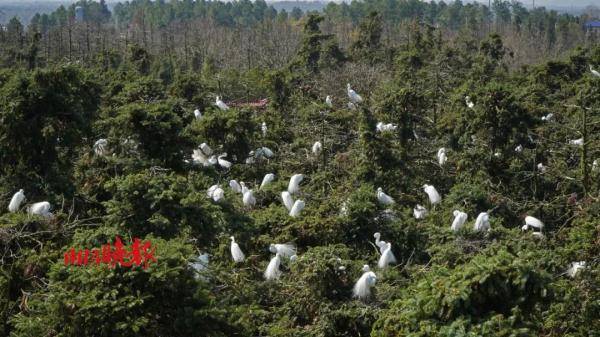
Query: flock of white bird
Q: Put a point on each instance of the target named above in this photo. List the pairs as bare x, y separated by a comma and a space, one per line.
362, 289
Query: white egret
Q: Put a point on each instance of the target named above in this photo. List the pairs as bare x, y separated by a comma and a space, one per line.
235, 186
387, 257
482, 223
594, 72
576, 142
519, 148
575, 267
344, 209
419, 212
226, 164
199, 158
211, 190
206, 149
251, 158
264, 152
212, 160
441, 156
269, 177
381, 127
283, 249
317, 148
497, 154
379, 243
459, 220
595, 165
236, 253
197, 114
362, 287
263, 128
328, 101
15, 201
220, 104
100, 147
244, 188
548, 117
201, 262
248, 199
294, 185
469, 103
354, 97
288, 202
40, 208
541, 168
532, 222
218, 194
272, 272
351, 106
383, 198
432, 193
297, 208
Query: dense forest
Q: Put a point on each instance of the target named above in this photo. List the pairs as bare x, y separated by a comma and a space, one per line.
380, 168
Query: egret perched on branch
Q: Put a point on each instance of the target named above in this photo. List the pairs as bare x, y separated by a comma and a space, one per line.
286, 250
264, 152
575, 268
197, 114
594, 72
100, 147
15, 201
294, 185
41, 208
383, 198
381, 127
379, 243
263, 128
220, 104
469, 103
328, 101
354, 97
576, 142
548, 117
459, 220
362, 287
215, 192
419, 212
236, 253
244, 188
206, 149
519, 148
441, 156
211, 190
541, 168
248, 199
432, 193
199, 158
387, 257
222, 162
288, 202
272, 273
297, 208
212, 160
317, 148
482, 223
235, 186
532, 222
269, 177
251, 159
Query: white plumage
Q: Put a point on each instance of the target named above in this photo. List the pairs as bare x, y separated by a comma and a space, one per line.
328, 101
100, 147
201, 262
541, 168
197, 114
362, 287
264, 129
317, 148
15, 201
379, 243
576, 267
548, 117
199, 158
419, 212
264, 152
294, 185
218, 194
459, 220
441, 156
40, 208
288, 202
482, 223
236, 253
235, 186
222, 162
297, 208
469, 103
432, 193
594, 72
272, 272
351, 106
519, 148
533, 222
269, 177
383, 198
248, 199
595, 165
212, 160
387, 257
211, 190
220, 104
354, 97
244, 188
283, 249
206, 149
381, 127
576, 142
